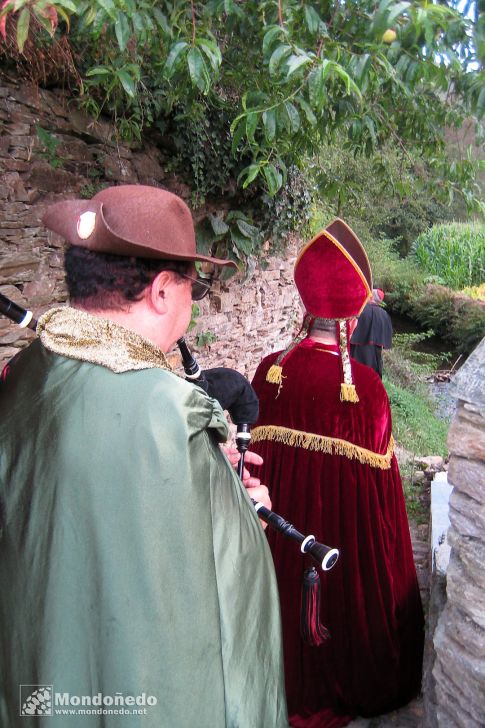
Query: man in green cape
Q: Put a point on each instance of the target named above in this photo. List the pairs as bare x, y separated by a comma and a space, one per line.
136, 586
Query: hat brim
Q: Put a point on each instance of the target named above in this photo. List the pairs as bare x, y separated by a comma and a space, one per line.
63, 218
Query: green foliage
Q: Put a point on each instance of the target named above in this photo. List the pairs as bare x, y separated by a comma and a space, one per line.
415, 426
288, 211
391, 193
195, 315
49, 145
455, 252
242, 95
475, 292
205, 338
458, 321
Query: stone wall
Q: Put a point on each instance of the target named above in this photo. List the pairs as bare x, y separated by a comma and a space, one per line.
459, 638
248, 317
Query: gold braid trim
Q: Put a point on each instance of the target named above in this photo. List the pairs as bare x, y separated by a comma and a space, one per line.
78, 334
322, 443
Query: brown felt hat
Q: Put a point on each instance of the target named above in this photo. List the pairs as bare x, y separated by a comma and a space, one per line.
134, 220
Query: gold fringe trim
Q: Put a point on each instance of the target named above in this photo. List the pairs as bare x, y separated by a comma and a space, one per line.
274, 375
322, 443
348, 393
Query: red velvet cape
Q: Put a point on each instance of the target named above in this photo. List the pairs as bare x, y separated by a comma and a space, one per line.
370, 600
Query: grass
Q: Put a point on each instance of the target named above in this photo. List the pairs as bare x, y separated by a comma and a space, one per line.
453, 252
417, 429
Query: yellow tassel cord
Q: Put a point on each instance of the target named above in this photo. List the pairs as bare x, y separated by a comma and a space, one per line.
348, 393
322, 443
274, 375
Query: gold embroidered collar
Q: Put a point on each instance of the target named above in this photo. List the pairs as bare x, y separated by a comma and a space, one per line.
79, 335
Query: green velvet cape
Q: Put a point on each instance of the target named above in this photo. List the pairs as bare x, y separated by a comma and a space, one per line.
131, 559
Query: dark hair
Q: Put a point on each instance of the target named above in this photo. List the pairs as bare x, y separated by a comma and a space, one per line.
324, 325
107, 281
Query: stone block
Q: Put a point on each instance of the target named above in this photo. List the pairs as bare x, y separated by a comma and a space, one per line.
466, 436
467, 515
119, 169
18, 128
147, 166
18, 267
468, 476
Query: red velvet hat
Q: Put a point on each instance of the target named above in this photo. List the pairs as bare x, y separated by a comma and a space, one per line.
132, 220
332, 273
334, 279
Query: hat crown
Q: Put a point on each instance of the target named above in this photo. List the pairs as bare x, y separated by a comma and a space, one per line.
332, 273
131, 220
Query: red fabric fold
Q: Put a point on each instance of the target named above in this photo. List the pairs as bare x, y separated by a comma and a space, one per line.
370, 600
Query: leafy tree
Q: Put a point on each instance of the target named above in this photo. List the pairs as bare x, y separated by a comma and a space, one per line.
254, 88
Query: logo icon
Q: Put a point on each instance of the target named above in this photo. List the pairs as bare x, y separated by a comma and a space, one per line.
35, 700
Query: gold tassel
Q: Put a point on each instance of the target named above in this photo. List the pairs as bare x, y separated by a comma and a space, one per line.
274, 375
348, 393
322, 443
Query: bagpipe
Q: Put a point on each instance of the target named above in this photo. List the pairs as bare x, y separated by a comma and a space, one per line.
236, 395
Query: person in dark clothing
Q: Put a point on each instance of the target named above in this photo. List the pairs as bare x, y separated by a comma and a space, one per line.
372, 334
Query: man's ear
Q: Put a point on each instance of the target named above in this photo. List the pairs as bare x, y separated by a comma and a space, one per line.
159, 290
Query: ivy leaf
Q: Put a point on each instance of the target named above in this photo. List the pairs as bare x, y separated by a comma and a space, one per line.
242, 242
218, 225
174, 58
204, 236
122, 31
199, 74
23, 28
248, 230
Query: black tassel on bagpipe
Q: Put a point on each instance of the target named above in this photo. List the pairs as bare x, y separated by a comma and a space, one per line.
311, 630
